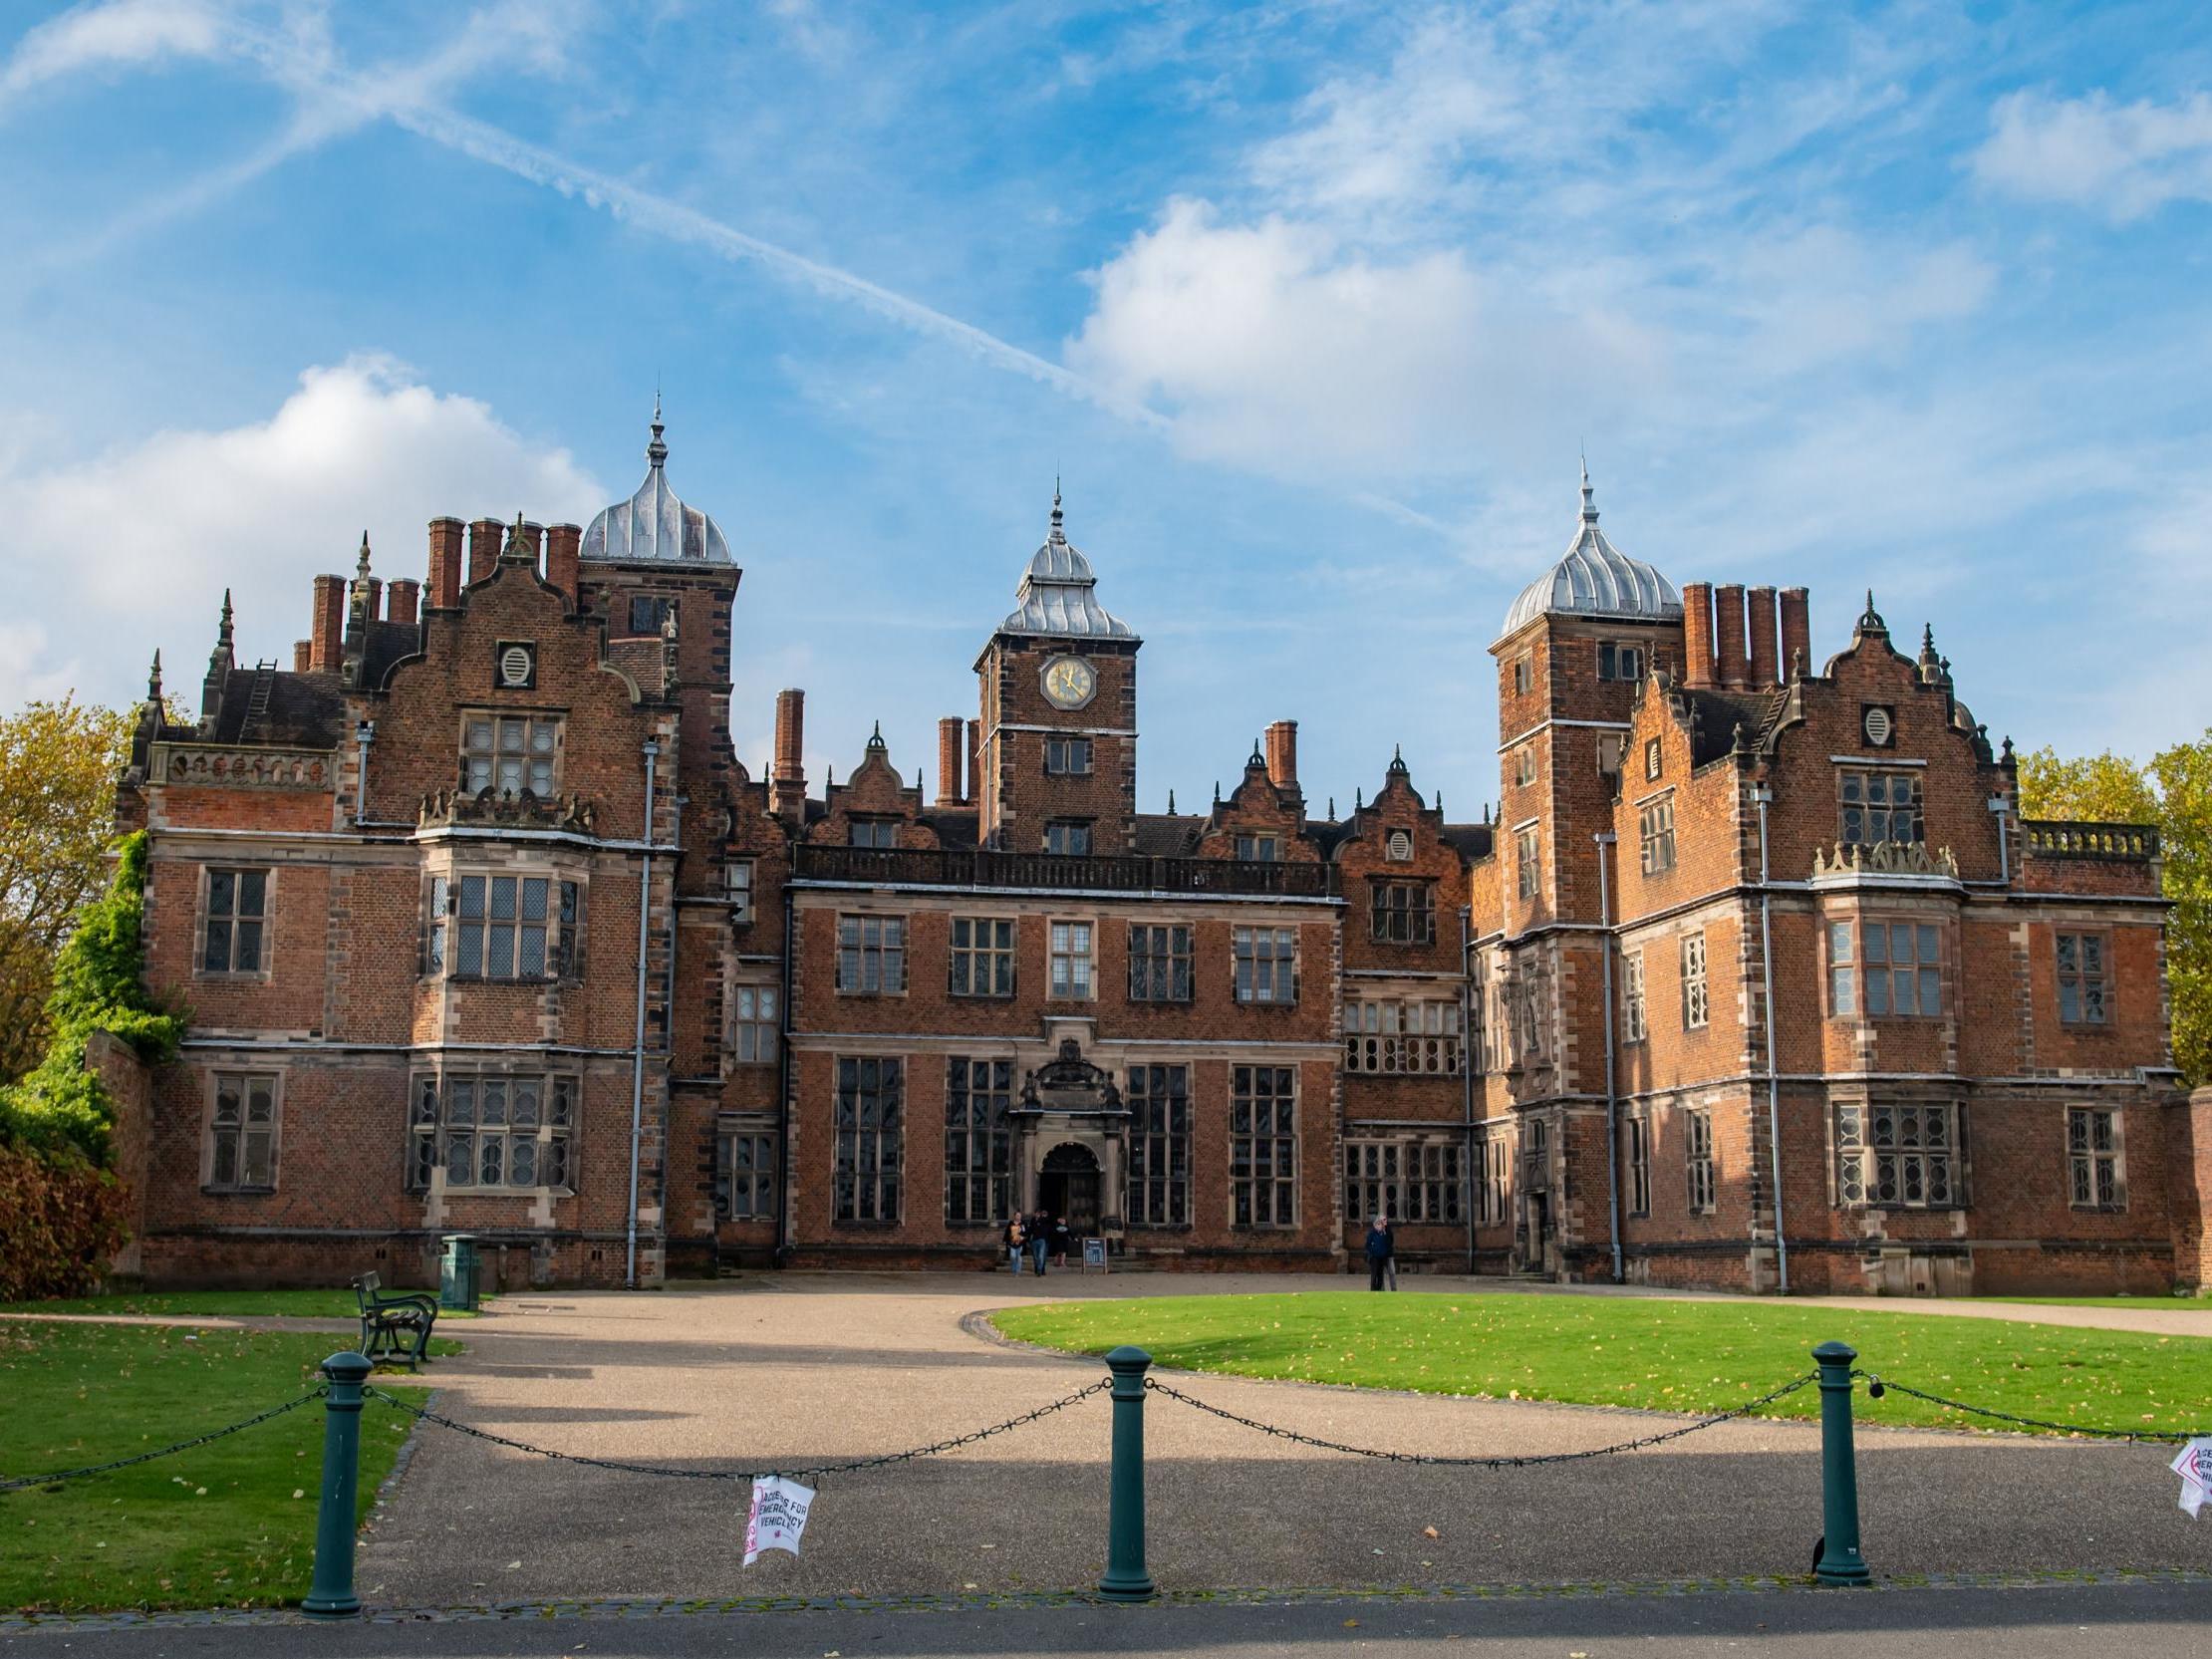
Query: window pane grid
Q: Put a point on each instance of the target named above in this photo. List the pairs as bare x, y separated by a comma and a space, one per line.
1696, 1006
1072, 959
1880, 806
1403, 913
1656, 825
1266, 963
487, 1130
1702, 1170
237, 906
1392, 1038
978, 1146
1263, 1146
1403, 1180
1158, 1191
1898, 1156
509, 752
2093, 1158
755, 1026
1159, 962
243, 1132
981, 961
871, 954
2084, 988
746, 1178
870, 1139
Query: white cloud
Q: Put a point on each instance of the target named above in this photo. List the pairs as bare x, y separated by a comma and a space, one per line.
2126, 160
113, 555
113, 34
1278, 346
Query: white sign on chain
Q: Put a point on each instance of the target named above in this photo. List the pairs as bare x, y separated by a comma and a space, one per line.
2194, 1466
778, 1516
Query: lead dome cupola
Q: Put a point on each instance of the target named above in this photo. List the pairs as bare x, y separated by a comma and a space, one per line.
1593, 578
653, 526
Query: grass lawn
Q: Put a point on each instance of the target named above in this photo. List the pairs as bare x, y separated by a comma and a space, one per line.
298, 1304
231, 1523
1663, 1355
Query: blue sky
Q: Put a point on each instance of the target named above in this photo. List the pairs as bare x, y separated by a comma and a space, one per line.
1312, 305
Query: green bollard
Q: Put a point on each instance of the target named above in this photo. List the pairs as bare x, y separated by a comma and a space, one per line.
1840, 1561
331, 1596
1126, 1578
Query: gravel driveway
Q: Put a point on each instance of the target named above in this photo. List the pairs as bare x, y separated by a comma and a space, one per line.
790, 1368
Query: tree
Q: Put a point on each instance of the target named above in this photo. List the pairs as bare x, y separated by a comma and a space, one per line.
58, 767
2174, 792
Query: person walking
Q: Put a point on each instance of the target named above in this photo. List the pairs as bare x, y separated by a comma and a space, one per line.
1378, 1252
1062, 1236
1016, 1245
1390, 1262
1040, 1240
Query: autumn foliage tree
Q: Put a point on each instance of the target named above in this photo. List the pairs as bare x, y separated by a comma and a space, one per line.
2174, 792
58, 767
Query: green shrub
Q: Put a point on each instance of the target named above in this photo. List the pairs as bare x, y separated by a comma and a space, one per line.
60, 1221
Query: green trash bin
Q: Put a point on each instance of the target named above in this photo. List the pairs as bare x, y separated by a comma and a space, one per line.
457, 1278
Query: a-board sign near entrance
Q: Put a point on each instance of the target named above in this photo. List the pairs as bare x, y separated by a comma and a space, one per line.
1094, 1254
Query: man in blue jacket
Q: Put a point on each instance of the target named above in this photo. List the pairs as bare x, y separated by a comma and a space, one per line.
1379, 1249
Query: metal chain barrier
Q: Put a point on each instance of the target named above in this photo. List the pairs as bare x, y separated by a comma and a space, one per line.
812, 1471
22, 1482
1527, 1462
1878, 1386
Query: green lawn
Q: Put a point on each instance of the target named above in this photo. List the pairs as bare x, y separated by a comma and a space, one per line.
1665, 1355
231, 1523
298, 1304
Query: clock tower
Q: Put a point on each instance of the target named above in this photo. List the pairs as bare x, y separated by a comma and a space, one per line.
1057, 765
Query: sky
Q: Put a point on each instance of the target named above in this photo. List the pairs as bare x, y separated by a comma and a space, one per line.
1312, 306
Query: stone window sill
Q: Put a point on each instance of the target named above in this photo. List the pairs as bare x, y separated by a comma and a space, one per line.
239, 1191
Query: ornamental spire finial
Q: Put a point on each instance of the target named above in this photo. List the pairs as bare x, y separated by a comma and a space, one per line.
222, 631
1589, 496
153, 678
360, 565
1059, 532
656, 452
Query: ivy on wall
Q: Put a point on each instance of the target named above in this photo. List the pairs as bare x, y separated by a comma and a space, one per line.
61, 1111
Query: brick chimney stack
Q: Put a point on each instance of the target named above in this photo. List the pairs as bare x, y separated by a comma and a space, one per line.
1728, 634
975, 761
443, 592
483, 549
950, 743
563, 544
788, 780
402, 599
1797, 632
327, 625
1282, 755
302, 655
1697, 634
1764, 664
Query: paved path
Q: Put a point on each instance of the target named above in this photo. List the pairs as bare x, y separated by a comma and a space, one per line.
784, 1369
2144, 1621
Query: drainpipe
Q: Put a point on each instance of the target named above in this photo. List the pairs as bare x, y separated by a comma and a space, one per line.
364, 734
677, 805
783, 1094
1466, 1069
2002, 805
1612, 1098
1765, 797
651, 752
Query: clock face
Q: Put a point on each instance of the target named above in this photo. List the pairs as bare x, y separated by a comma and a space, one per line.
1069, 681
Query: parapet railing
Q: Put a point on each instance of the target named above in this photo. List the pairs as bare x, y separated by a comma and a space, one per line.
2108, 843
985, 867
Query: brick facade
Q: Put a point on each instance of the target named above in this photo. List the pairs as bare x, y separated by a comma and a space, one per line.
483, 927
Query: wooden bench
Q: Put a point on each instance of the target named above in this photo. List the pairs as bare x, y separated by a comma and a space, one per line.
394, 1325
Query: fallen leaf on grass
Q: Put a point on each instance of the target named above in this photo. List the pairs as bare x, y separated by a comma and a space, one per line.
1431, 1532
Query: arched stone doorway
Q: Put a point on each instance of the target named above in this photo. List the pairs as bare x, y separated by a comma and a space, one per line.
1068, 1183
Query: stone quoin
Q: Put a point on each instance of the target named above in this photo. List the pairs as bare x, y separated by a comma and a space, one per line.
1756, 979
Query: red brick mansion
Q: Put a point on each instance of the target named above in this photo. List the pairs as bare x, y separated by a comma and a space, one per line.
1758, 979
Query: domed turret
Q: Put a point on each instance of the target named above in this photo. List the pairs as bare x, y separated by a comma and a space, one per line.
1058, 594
652, 527
1593, 578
